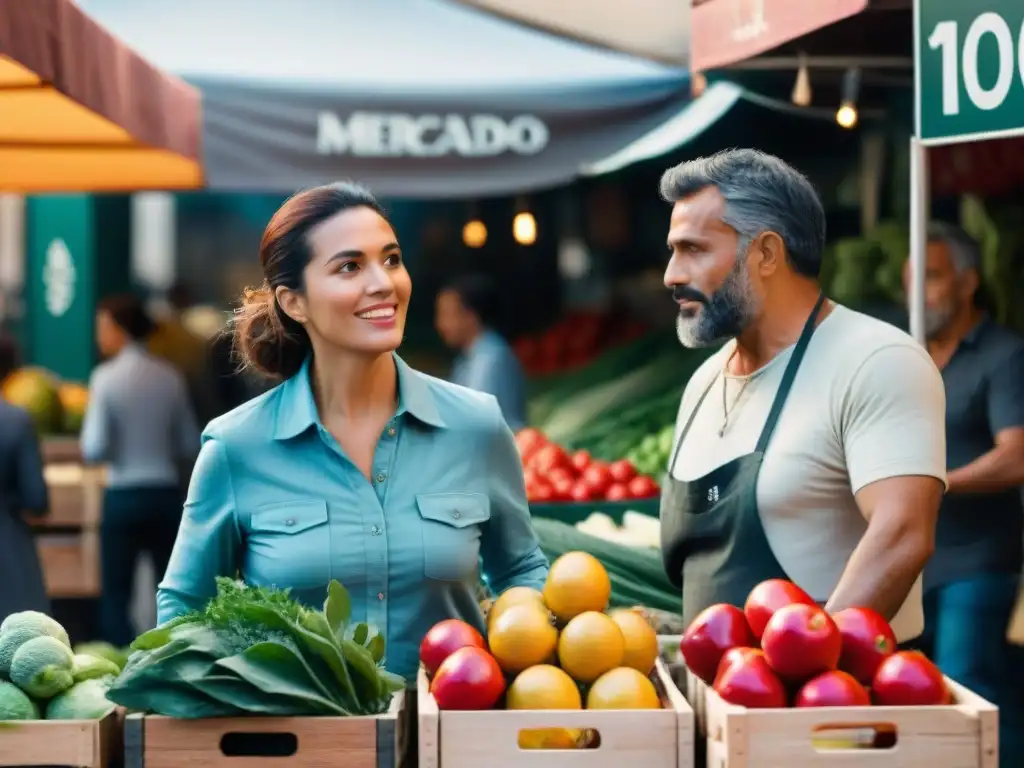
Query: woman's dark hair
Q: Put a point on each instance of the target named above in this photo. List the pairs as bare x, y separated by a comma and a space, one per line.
10, 355
266, 339
129, 314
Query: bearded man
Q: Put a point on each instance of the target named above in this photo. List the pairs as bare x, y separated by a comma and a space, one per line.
811, 446
972, 581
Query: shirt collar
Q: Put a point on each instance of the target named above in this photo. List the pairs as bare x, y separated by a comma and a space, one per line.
296, 410
974, 335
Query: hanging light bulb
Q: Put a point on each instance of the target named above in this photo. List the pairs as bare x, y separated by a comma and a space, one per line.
847, 115
474, 233
524, 228
801, 95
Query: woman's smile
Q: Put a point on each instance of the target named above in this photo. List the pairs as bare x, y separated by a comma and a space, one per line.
381, 315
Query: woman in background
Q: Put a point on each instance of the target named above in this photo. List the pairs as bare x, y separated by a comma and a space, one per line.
22, 491
140, 423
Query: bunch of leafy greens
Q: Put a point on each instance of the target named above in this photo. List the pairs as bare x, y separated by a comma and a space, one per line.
256, 651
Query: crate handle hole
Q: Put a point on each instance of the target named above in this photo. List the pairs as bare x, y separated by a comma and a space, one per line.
558, 739
831, 737
246, 744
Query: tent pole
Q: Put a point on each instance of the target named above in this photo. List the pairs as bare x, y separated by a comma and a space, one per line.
919, 213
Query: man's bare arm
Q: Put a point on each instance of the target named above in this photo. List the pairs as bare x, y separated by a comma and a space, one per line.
998, 470
901, 514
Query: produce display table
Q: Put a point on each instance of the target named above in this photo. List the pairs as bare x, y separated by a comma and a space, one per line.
573, 513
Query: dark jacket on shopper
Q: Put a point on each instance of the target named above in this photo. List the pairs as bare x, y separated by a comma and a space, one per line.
22, 490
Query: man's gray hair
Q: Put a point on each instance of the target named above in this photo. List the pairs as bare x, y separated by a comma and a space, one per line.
762, 194
963, 249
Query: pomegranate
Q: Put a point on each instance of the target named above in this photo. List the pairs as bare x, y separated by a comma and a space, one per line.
715, 630
832, 689
867, 641
750, 682
468, 679
909, 679
733, 656
801, 641
767, 597
445, 638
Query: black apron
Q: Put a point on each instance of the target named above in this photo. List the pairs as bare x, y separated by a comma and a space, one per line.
712, 540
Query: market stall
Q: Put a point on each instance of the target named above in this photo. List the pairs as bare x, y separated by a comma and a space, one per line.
489, 107
82, 111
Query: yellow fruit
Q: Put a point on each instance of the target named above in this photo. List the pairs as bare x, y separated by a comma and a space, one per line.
577, 582
641, 640
543, 687
623, 688
550, 738
510, 597
590, 645
521, 637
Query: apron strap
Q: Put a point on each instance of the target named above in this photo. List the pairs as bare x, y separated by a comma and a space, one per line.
790, 374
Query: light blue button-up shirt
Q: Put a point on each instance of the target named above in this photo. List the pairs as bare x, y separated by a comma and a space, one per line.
274, 497
490, 365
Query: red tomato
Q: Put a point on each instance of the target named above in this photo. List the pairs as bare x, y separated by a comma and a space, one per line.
643, 487
548, 458
867, 641
909, 679
751, 683
597, 477
530, 476
617, 492
529, 441
733, 656
560, 474
622, 471
581, 492
541, 493
580, 460
443, 639
468, 679
801, 641
767, 597
562, 488
832, 689
715, 630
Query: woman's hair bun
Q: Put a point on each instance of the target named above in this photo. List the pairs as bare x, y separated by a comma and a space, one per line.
265, 338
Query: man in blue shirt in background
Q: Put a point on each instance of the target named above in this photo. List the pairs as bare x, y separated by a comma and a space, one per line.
465, 317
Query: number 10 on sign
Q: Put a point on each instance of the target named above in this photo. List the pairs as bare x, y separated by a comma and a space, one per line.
970, 69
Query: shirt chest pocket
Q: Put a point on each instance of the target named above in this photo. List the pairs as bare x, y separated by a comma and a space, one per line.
289, 545
451, 524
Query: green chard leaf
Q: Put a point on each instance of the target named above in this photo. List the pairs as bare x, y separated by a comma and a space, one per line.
337, 607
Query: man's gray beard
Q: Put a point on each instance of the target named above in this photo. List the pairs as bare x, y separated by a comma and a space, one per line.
935, 320
725, 316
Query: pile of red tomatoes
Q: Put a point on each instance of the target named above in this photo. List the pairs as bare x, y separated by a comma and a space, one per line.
553, 475
782, 649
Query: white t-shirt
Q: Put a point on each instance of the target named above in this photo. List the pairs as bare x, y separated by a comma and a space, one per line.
867, 404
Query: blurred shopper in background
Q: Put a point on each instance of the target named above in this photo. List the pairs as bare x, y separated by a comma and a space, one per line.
466, 317
972, 581
22, 491
141, 425
189, 352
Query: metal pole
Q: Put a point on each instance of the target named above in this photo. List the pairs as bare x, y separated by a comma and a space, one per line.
919, 205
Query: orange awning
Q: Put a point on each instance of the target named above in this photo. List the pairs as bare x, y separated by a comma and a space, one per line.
80, 111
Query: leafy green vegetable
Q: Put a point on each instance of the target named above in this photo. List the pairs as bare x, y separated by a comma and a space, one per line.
257, 651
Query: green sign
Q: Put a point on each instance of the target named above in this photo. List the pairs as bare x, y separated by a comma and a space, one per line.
969, 60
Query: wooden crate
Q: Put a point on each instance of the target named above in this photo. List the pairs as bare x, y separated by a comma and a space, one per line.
60, 449
71, 564
963, 735
64, 743
76, 497
264, 742
637, 738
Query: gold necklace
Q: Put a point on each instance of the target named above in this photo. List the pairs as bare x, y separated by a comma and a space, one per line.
726, 408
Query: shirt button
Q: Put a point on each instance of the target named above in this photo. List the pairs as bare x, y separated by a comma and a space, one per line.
456, 514
375, 531
381, 477
380, 595
392, 431
290, 522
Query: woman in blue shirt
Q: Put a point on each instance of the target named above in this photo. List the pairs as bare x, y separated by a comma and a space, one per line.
356, 467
